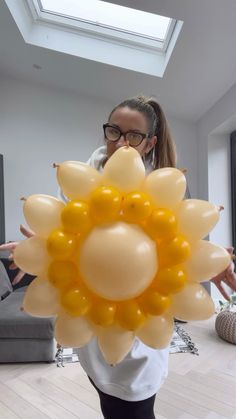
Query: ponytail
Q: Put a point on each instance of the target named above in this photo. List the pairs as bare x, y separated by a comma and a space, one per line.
164, 153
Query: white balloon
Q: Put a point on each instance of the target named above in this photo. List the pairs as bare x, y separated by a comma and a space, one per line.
77, 180
115, 343
166, 187
124, 170
72, 331
41, 299
196, 218
43, 213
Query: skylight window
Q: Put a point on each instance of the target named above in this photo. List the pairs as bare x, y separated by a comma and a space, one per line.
119, 18
99, 31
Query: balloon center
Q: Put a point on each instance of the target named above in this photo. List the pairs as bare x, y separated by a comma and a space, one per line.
112, 256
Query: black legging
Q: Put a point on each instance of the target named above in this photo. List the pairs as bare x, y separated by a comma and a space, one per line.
115, 408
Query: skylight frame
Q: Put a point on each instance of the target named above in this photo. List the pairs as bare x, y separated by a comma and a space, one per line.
46, 31
100, 30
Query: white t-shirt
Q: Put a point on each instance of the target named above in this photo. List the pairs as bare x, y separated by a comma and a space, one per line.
142, 372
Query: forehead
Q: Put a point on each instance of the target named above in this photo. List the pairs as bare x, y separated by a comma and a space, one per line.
129, 119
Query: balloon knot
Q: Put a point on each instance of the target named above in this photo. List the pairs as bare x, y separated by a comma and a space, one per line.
221, 208
23, 198
55, 165
184, 170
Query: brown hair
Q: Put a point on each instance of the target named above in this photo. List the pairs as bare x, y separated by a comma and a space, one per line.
164, 152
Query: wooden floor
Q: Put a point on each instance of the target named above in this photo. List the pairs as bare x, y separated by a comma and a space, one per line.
201, 386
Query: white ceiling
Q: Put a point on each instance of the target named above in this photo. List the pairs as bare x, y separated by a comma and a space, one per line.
201, 70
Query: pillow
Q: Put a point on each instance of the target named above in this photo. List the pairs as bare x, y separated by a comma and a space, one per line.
5, 283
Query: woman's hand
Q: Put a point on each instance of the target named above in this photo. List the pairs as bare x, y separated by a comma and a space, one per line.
228, 276
11, 247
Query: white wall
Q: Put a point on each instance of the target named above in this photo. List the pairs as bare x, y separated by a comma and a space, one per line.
39, 126
214, 184
219, 185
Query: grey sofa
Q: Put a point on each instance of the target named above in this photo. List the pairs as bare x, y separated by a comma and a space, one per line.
23, 338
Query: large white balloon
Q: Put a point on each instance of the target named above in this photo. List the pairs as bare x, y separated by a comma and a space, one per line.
118, 261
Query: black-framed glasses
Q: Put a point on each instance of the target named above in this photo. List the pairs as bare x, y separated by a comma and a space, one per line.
113, 133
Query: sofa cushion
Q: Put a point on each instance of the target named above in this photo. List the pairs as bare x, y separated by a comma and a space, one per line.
5, 283
16, 324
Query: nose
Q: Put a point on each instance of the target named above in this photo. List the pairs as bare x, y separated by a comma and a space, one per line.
121, 142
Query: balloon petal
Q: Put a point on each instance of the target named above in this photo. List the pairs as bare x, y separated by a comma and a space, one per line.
124, 170
41, 299
77, 180
196, 218
206, 261
157, 331
72, 332
166, 186
115, 343
192, 303
43, 213
31, 256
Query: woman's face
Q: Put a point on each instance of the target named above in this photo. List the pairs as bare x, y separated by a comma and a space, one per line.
127, 119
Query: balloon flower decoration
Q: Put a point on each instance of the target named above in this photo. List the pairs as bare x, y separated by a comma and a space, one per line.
122, 258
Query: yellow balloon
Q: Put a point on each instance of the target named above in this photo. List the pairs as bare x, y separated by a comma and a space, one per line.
196, 218
166, 186
161, 224
77, 180
43, 213
115, 343
207, 260
111, 261
62, 274
124, 170
75, 301
192, 303
41, 299
61, 245
136, 207
129, 315
105, 203
102, 312
31, 256
72, 332
157, 331
170, 280
152, 302
75, 217
174, 251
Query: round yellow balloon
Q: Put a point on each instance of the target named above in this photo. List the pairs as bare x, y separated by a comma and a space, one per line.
136, 207
61, 245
